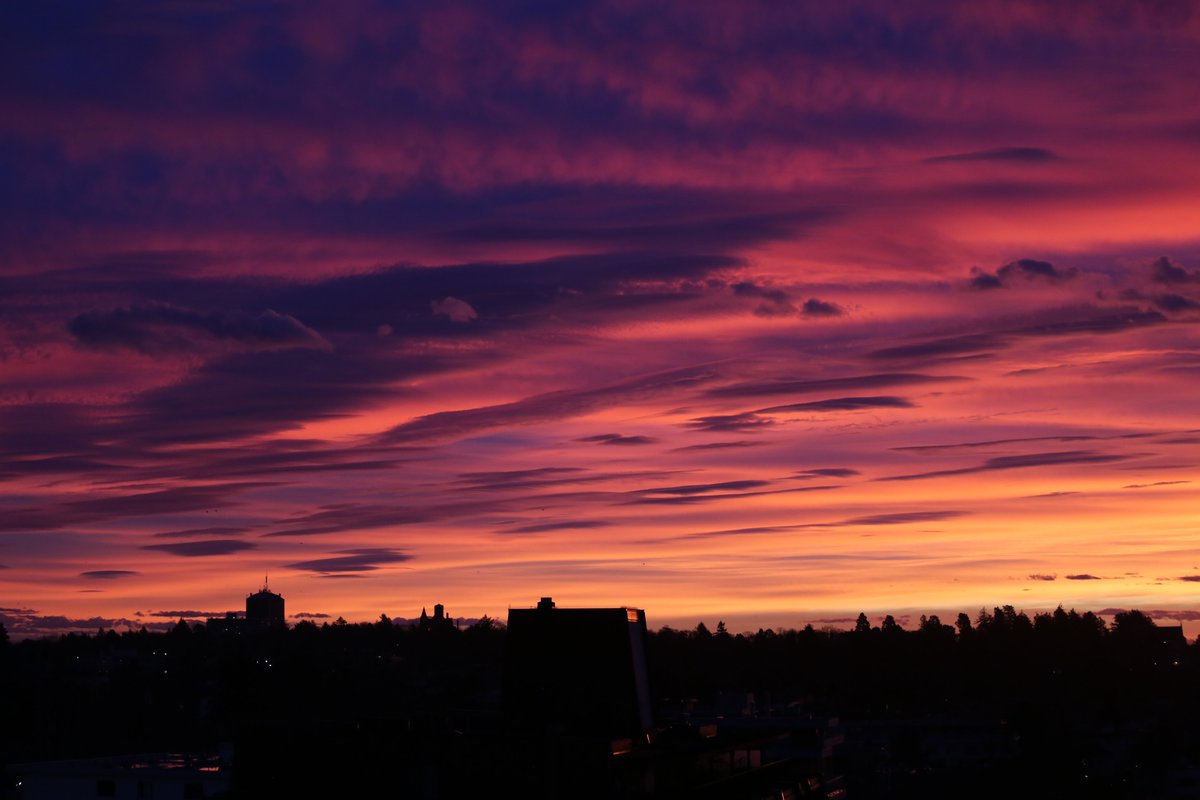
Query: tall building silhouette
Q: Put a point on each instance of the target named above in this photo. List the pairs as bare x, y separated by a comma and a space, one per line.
578, 670
264, 609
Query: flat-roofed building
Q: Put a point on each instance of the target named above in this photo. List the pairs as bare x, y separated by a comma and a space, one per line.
264, 610
579, 670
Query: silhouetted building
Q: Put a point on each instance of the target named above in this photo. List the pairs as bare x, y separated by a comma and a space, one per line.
230, 623
1172, 641
437, 621
578, 670
264, 610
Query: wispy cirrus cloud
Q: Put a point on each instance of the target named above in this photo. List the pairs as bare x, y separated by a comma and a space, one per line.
544, 407
560, 525
1003, 155
353, 561
841, 404
869, 520
810, 386
203, 548
108, 574
165, 328
618, 439
117, 505
1031, 460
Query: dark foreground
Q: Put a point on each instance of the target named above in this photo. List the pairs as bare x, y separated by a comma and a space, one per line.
1004, 706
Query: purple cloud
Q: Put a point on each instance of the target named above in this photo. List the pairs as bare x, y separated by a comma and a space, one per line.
1024, 269
1002, 155
163, 328
107, 574
353, 561
617, 439
1000, 463
1163, 270
820, 308
206, 547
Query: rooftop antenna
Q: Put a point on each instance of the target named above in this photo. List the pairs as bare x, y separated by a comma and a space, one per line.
266, 583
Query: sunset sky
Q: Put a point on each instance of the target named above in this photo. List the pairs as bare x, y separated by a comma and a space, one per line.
770, 313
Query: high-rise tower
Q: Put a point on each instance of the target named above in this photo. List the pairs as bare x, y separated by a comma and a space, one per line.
264, 609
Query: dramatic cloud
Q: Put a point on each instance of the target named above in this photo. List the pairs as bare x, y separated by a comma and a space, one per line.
820, 308
701, 228
617, 439
107, 574
1163, 270
881, 381
118, 506
1175, 302
1055, 323
562, 525
870, 520
163, 328
932, 448
1083, 576
454, 309
903, 518
1151, 485
1042, 577
199, 532
704, 488
954, 346
779, 303
347, 517
718, 446
1000, 463
1025, 269
775, 302
704, 496
206, 547
730, 423
841, 404
544, 407
364, 560
527, 478
1012, 155
475, 279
